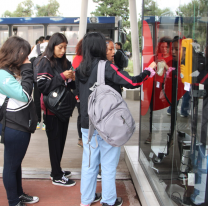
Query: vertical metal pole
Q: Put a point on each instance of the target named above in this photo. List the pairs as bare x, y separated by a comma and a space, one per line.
10, 30
194, 23
45, 26
83, 19
134, 36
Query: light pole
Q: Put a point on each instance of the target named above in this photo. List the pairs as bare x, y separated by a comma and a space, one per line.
83, 19
134, 36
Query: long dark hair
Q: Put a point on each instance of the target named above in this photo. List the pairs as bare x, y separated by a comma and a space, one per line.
56, 39
93, 46
13, 53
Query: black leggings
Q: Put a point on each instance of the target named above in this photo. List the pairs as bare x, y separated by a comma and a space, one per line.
56, 132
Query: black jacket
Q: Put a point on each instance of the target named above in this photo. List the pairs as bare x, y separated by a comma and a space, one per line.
113, 78
47, 80
22, 115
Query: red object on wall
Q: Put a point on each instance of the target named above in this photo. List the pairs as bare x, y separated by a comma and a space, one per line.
147, 55
154, 85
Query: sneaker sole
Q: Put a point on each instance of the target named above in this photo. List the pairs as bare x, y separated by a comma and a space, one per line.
63, 185
79, 145
31, 202
97, 200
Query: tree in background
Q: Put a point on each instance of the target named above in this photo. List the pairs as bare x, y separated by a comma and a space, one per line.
51, 9
24, 9
193, 27
151, 8
113, 8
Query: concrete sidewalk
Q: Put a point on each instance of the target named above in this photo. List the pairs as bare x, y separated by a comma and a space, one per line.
36, 168
36, 163
51, 195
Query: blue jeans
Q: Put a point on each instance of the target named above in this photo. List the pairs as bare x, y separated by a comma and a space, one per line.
108, 157
15, 147
185, 105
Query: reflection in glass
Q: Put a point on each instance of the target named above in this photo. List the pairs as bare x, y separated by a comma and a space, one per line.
174, 104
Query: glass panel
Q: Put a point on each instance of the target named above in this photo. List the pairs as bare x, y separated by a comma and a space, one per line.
174, 104
71, 33
4, 34
29, 33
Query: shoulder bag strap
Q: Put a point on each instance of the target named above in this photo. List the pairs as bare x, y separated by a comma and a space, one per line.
3, 116
101, 72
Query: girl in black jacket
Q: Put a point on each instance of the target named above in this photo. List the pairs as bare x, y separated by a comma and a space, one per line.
94, 49
54, 58
16, 83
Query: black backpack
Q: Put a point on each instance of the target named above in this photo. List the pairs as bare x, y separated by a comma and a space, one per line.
35, 61
124, 59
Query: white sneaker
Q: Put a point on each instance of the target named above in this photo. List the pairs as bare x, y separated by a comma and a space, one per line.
38, 125
43, 127
99, 178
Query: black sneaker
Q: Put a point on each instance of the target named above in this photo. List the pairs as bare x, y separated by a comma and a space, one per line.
64, 181
118, 202
97, 197
65, 173
20, 204
28, 199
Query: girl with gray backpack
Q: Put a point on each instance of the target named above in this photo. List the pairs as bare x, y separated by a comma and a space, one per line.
100, 152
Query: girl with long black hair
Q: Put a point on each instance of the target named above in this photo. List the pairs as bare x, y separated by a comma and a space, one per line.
54, 58
94, 49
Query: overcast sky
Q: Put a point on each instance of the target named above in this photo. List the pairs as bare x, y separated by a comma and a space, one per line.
72, 8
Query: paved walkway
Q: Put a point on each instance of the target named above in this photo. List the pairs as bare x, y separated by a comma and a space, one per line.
36, 163
36, 169
51, 195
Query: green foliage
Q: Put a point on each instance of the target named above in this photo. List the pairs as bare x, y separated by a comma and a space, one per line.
7, 14
193, 27
26, 9
112, 8
130, 69
51, 9
127, 45
151, 9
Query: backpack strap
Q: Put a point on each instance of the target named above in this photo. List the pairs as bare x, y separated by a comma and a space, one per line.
101, 72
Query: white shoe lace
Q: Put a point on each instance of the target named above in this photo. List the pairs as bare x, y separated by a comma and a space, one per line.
65, 178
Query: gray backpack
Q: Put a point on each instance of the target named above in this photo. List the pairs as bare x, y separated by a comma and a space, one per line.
108, 112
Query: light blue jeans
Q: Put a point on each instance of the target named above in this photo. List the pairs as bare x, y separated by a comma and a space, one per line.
108, 157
